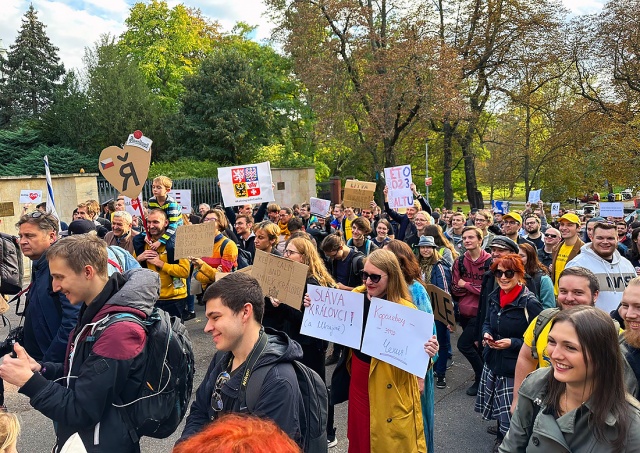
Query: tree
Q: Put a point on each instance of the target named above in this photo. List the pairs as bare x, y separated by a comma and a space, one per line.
167, 44
30, 72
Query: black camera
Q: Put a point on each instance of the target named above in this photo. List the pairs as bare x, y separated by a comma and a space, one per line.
15, 335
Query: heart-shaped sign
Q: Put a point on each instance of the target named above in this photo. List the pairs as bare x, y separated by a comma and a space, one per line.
33, 196
127, 168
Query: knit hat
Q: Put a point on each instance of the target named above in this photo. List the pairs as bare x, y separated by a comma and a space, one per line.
427, 241
503, 242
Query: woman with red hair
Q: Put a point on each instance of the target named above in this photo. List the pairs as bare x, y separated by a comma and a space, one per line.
511, 307
235, 433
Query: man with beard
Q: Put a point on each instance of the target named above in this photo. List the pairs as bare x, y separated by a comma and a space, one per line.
532, 226
630, 310
511, 223
121, 233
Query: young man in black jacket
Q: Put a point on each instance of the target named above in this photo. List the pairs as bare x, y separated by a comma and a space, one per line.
234, 309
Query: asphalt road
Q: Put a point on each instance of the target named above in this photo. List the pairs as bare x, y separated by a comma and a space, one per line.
457, 427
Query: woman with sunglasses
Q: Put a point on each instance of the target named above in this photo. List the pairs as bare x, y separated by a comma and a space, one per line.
384, 401
579, 403
511, 307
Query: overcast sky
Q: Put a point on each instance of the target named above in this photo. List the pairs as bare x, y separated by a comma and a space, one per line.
73, 25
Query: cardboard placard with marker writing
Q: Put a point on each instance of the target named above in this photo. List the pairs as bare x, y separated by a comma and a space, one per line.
127, 168
280, 278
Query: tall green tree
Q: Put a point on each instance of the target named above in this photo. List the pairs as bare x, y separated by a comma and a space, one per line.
31, 71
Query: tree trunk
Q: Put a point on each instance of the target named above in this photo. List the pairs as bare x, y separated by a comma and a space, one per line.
447, 185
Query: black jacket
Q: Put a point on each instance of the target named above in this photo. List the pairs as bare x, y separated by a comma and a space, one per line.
279, 399
355, 278
99, 373
508, 322
406, 228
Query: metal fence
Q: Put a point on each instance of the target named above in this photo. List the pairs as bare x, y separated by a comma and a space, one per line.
203, 190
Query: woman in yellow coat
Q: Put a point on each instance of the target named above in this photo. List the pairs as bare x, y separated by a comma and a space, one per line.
384, 401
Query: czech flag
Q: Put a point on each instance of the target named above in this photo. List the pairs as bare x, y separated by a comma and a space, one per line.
107, 163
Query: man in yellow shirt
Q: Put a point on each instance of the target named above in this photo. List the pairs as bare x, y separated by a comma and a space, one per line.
577, 286
567, 249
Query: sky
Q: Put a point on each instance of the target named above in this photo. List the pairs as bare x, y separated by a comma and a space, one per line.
73, 25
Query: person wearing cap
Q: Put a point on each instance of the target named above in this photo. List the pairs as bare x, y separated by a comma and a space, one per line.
511, 224
568, 248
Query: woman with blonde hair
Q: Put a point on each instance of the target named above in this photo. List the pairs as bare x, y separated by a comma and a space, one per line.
9, 432
267, 234
377, 391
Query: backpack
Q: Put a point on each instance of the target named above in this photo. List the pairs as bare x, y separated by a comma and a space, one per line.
315, 401
162, 400
11, 266
244, 256
543, 319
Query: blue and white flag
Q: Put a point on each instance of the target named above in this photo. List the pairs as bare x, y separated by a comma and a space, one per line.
51, 204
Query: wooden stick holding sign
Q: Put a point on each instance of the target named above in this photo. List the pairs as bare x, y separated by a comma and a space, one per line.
280, 278
442, 305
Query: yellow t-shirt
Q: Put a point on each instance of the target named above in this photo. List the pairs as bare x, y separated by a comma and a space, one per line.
347, 229
559, 264
541, 343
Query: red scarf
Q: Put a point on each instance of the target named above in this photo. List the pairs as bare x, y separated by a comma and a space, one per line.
507, 298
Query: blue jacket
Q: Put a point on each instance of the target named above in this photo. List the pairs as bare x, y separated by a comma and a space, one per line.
441, 275
49, 316
406, 228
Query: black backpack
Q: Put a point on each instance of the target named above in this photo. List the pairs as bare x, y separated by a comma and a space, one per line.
162, 400
11, 266
244, 256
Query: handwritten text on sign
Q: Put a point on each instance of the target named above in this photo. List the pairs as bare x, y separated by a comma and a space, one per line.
396, 335
195, 240
334, 315
280, 278
358, 194
442, 305
399, 184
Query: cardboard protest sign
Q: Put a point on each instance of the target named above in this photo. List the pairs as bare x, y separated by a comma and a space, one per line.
195, 240
555, 209
30, 196
6, 209
280, 278
334, 315
127, 168
399, 183
246, 184
183, 197
615, 209
319, 206
358, 194
442, 305
534, 195
396, 335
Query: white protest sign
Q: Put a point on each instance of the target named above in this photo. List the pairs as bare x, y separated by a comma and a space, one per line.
245, 184
396, 335
611, 209
534, 195
334, 315
30, 196
183, 197
555, 209
319, 206
132, 208
398, 180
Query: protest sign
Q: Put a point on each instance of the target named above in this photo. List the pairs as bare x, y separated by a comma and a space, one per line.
6, 209
398, 180
334, 315
534, 195
246, 184
127, 168
358, 194
396, 335
183, 197
442, 305
319, 206
195, 240
615, 209
130, 205
555, 209
280, 278
30, 196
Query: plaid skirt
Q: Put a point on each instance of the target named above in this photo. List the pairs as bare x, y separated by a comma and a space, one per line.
495, 395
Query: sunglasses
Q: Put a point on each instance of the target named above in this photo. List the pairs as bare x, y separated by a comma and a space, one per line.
552, 236
375, 278
509, 274
216, 397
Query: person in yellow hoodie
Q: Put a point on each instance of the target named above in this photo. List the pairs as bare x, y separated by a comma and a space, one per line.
384, 401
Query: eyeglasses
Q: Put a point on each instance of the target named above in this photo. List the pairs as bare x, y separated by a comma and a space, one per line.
375, 278
289, 252
216, 397
549, 235
510, 222
509, 274
212, 219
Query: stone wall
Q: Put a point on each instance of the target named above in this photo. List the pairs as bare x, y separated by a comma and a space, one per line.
293, 185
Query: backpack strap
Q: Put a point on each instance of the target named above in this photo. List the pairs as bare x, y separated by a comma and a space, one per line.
256, 379
543, 319
119, 265
254, 355
461, 267
367, 244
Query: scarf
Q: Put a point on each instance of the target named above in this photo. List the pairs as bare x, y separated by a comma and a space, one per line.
507, 298
284, 230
